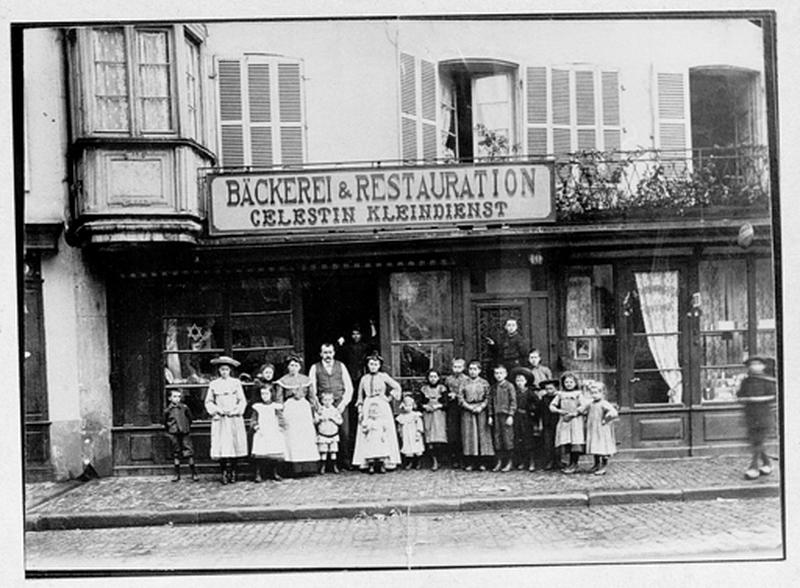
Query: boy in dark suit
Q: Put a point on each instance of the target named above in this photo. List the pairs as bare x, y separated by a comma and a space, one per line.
177, 423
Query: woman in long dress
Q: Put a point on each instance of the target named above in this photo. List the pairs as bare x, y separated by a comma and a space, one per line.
375, 389
225, 404
301, 436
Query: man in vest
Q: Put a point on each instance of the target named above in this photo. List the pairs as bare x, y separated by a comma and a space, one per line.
331, 375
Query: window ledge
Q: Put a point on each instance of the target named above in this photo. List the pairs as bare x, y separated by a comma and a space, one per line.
81, 144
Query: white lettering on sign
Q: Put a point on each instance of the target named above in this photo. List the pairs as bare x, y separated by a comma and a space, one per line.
383, 199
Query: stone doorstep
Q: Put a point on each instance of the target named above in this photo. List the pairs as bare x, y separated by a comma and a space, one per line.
99, 520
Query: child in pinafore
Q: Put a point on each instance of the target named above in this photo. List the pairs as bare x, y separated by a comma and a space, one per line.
502, 406
600, 439
569, 431
328, 420
476, 434
225, 403
432, 399
757, 393
411, 432
178, 422
269, 445
375, 439
301, 436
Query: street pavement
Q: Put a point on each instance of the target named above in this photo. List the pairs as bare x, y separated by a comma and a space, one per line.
662, 531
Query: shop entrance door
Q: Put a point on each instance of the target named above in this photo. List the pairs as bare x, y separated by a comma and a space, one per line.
335, 303
490, 314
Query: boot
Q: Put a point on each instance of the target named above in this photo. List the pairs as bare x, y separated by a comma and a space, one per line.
275, 475
417, 460
507, 467
498, 464
435, 464
601, 471
334, 467
224, 469
177, 475
258, 479
232, 471
193, 469
596, 465
531, 465
322, 466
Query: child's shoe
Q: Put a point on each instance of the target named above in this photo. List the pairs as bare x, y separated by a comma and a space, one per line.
765, 470
371, 469
258, 479
531, 466
194, 473
177, 475
507, 467
417, 461
601, 471
468, 467
435, 464
482, 468
335, 468
751, 474
276, 476
322, 468
570, 469
496, 467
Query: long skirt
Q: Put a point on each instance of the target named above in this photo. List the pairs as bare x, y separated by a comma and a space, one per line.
476, 434
435, 426
454, 438
301, 437
523, 436
228, 437
385, 414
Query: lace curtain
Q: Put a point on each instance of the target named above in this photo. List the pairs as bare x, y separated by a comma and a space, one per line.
110, 80
153, 80
658, 296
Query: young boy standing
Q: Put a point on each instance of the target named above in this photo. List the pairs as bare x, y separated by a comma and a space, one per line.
454, 383
757, 393
177, 423
502, 406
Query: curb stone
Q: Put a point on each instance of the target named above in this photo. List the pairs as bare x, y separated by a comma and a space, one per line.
99, 520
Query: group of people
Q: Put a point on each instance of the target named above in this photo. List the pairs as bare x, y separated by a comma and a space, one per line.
525, 418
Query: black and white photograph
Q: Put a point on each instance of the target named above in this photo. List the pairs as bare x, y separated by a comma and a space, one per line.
392, 291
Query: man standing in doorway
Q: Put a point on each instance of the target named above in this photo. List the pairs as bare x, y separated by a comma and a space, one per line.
510, 349
355, 351
331, 375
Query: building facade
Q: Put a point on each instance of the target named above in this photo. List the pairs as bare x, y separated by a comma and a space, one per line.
259, 188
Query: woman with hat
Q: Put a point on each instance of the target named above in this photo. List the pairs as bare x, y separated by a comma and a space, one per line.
374, 390
225, 404
522, 378
301, 436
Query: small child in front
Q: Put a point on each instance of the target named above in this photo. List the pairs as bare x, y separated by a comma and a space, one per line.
411, 432
376, 439
600, 439
177, 423
502, 406
328, 420
269, 445
476, 435
569, 431
757, 393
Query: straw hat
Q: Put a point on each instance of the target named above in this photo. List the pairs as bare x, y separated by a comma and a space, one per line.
225, 360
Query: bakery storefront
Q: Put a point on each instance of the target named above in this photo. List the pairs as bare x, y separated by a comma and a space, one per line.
429, 261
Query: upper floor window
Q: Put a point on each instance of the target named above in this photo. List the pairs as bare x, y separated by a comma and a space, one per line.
131, 82
261, 118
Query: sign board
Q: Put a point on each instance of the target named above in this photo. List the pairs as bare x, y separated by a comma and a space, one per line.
323, 200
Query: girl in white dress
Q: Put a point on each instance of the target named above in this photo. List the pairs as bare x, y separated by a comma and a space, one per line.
570, 428
269, 445
412, 432
225, 404
301, 436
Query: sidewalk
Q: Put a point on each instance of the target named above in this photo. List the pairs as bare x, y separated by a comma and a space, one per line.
138, 501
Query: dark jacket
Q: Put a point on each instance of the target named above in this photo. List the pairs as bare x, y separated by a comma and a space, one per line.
177, 419
758, 414
503, 399
510, 350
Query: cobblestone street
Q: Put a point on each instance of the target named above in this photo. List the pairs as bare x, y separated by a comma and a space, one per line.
719, 529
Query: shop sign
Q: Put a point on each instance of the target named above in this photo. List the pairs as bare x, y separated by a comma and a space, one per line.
380, 198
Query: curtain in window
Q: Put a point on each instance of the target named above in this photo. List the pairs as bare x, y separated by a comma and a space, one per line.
110, 80
171, 344
446, 109
492, 101
153, 80
658, 296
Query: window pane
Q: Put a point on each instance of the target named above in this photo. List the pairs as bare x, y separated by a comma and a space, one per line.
647, 348
189, 368
415, 359
264, 294
767, 343
657, 373
727, 348
590, 301
267, 330
188, 299
651, 387
153, 83
421, 306
723, 293
200, 333
193, 90
110, 80
591, 354
721, 384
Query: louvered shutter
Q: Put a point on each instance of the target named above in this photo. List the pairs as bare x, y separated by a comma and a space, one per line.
673, 131
562, 118
290, 112
408, 106
612, 127
231, 113
585, 111
260, 109
536, 110
428, 109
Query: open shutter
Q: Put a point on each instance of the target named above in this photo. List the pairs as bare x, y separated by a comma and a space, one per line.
428, 109
562, 118
612, 127
408, 106
260, 109
290, 112
673, 120
536, 111
231, 113
585, 110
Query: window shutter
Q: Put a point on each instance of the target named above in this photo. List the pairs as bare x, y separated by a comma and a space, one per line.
260, 103
612, 127
536, 96
585, 113
231, 114
291, 112
562, 119
408, 106
428, 109
673, 132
